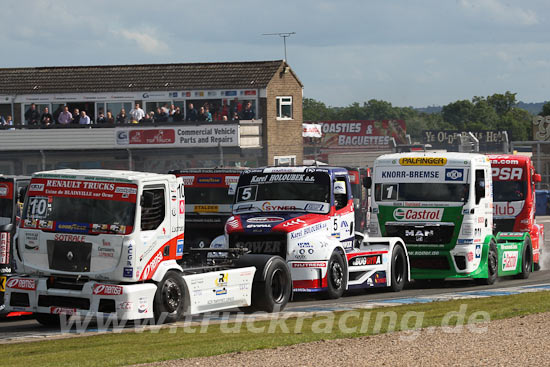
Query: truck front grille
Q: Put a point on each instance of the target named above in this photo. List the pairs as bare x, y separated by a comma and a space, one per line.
69, 256
430, 262
504, 225
437, 233
62, 301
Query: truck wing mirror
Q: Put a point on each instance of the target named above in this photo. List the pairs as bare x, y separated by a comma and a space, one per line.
367, 182
232, 189
147, 199
536, 178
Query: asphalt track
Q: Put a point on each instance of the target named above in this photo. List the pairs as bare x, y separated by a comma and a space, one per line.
25, 328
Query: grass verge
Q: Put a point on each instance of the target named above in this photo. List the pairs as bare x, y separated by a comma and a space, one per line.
116, 349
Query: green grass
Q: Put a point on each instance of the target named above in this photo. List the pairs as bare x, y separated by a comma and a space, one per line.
115, 349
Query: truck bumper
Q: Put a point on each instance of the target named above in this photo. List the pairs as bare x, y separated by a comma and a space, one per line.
95, 299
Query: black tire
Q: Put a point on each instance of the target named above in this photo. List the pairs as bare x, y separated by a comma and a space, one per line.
536, 266
526, 260
337, 279
48, 320
272, 291
398, 269
170, 298
492, 266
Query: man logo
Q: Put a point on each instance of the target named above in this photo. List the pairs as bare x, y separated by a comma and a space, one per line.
454, 174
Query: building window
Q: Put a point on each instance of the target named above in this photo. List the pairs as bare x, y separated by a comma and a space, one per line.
284, 108
284, 160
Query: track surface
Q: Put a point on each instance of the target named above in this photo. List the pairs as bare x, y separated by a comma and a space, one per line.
27, 328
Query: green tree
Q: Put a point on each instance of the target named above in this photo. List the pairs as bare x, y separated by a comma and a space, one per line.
458, 113
545, 109
502, 103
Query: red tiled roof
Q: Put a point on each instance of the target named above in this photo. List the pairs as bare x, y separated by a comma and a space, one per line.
166, 77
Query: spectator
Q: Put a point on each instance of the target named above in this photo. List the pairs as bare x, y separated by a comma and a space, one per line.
65, 117
207, 114
147, 118
137, 113
235, 116
248, 112
202, 115
7, 122
225, 109
109, 118
76, 116
177, 116
84, 119
2, 121
101, 118
32, 116
153, 117
46, 118
121, 118
236, 106
171, 113
161, 115
56, 113
224, 118
191, 113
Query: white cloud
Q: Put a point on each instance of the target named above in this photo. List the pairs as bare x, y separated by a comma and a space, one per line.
145, 40
502, 13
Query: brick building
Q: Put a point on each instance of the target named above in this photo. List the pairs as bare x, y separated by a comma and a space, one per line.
272, 137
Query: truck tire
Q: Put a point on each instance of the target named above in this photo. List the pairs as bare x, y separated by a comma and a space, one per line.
398, 269
272, 290
526, 260
492, 266
337, 279
48, 320
169, 301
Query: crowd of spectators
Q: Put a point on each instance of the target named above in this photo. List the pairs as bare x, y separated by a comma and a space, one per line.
234, 111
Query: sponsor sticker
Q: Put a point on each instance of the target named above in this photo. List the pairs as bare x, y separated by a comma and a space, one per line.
179, 248
418, 214
422, 161
21, 283
2, 283
107, 290
509, 260
128, 272
454, 174
310, 265
265, 219
366, 260
206, 208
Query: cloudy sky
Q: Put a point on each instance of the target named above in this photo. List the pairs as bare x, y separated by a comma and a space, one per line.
410, 53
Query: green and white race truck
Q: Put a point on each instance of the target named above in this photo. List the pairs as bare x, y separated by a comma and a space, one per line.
441, 205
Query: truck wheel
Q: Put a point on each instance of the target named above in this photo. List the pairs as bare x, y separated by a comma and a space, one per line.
336, 276
169, 302
272, 293
526, 260
47, 319
398, 269
492, 266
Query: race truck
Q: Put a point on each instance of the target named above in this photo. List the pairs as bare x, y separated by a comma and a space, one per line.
106, 243
514, 181
306, 216
11, 203
208, 204
441, 204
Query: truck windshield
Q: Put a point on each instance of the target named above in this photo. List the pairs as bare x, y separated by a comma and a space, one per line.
80, 206
422, 192
208, 195
509, 190
298, 191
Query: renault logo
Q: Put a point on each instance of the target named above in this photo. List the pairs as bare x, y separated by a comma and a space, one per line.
70, 256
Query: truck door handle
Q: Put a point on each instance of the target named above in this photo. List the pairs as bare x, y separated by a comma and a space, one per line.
166, 250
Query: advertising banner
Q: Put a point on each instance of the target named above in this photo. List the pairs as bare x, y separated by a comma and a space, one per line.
199, 136
345, 136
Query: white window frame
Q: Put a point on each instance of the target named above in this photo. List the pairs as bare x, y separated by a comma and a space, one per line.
284, 160
283, 101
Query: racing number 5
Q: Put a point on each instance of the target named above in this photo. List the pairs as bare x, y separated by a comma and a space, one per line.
247, 193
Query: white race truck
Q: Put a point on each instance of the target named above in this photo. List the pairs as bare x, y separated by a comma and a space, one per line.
103, 242
306, 216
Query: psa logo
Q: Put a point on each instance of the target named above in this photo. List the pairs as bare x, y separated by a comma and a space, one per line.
454, 174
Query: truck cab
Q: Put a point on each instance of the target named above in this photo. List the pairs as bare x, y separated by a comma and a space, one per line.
209, 202
514, 180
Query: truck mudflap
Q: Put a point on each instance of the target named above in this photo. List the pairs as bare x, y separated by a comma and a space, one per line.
94, 299
309, 275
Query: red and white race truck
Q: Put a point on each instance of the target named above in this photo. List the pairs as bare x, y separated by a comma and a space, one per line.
11, 203
104, 242
306, 215
514, 181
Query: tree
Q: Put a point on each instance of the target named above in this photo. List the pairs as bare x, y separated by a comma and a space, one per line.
458, 113
545, 109
502, 103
